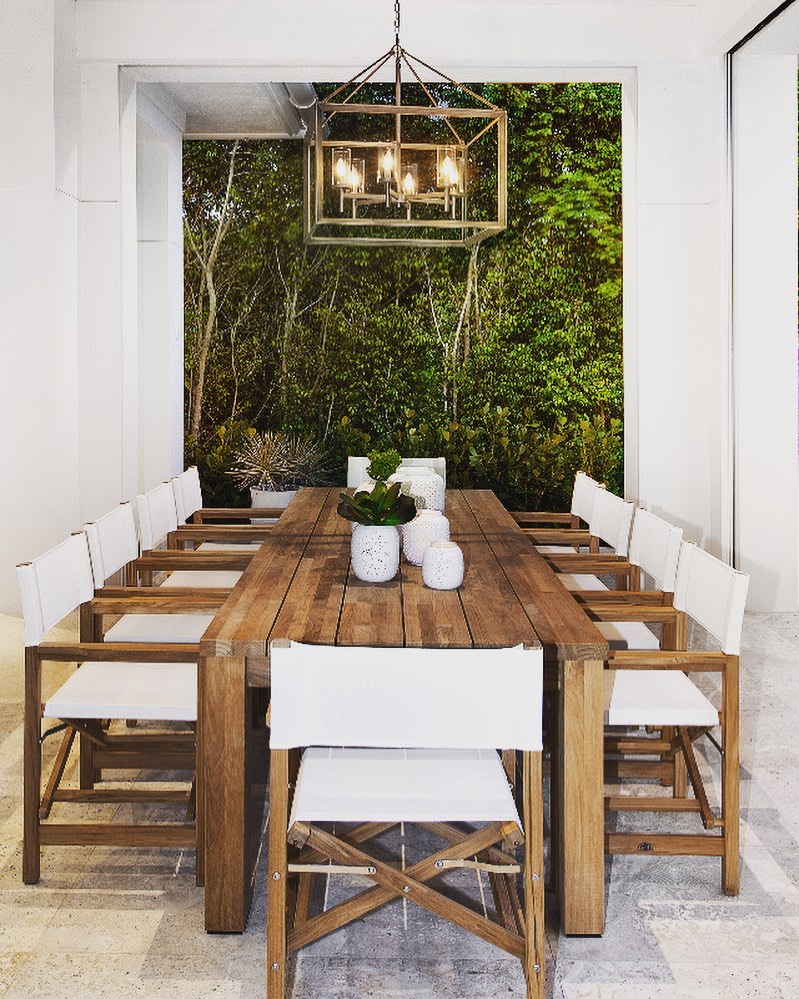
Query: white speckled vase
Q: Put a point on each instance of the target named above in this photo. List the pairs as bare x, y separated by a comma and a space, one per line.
442, 565
426, 526
375, 553
423, 485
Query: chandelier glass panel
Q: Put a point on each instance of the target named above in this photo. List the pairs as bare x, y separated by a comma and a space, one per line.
422, 163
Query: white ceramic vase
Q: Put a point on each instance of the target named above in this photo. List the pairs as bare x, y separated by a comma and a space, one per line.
426, 526
442, 565
422, 484
375, 553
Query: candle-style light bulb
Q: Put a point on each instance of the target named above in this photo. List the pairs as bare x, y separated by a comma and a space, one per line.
341, 170
408, 185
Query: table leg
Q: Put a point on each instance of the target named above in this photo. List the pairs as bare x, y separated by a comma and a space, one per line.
231, 735
581, 775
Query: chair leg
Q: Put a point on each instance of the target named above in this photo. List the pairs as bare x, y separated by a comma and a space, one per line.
276, 950
730, 779
533, 820
31, 854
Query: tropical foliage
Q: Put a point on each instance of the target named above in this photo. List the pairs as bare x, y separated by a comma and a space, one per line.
505, 358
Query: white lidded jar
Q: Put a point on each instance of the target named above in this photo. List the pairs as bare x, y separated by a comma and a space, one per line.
375, 552
442, 565
422, 484
426, 526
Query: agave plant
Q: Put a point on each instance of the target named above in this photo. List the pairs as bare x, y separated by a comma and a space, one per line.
279, 461
382, 506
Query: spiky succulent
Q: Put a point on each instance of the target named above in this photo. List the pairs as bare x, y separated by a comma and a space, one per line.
277, 460
382, 506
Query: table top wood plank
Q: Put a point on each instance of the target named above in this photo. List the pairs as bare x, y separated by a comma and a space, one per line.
312, 607
495, 615
243, 623
433, 618
565, 630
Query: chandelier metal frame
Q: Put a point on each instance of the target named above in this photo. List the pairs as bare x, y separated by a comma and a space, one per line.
401, 190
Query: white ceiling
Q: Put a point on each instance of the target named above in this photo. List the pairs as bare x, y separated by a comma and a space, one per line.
236, 101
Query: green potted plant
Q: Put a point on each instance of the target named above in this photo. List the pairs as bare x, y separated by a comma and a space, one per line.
376, 514
383, 464
274, 465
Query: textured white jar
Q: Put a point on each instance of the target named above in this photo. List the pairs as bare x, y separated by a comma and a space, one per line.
442, 565
375, 553
423, 485
426, 526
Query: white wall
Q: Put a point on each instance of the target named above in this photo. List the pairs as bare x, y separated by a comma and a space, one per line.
765, 319
38, 304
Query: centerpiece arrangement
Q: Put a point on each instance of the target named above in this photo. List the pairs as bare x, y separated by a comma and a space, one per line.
376, 512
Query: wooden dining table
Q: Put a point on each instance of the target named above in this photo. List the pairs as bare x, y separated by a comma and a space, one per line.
300, 586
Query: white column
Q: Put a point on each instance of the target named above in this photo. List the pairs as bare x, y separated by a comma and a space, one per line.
159, 192
681, 365
102, 371
764, 327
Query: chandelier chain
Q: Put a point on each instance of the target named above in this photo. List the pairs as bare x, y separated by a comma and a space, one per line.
397, 24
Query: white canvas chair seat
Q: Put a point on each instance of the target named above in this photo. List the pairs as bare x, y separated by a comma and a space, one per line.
203, 579
151, 691
581, 581
628, 635
656, 697
392, 785
156, 628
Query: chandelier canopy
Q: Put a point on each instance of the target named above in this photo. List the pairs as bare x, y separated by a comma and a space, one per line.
380, 172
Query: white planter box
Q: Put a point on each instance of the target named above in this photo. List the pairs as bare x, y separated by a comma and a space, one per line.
270, 499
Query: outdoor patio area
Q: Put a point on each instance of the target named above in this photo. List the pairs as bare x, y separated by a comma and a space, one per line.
128, 923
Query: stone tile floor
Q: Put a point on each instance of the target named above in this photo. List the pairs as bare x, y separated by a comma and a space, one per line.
126, 923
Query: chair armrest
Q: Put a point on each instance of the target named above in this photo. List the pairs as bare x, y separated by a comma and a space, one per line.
688, 662
525, 517
573, 537
647, 614
645, 598
157, 602
235, 513
610, 565
117, 652
219, 532
175, 558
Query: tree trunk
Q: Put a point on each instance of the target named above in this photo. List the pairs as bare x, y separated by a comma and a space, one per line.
207, 262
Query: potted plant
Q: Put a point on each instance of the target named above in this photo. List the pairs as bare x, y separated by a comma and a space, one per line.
383, 464
274, 465
376, 514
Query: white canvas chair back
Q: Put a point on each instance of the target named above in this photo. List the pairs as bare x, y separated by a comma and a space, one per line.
655, 548
583, 496
712, 593
188, 494
113, 542
157, 515
610, 521
405, 698
356, 468
53, 585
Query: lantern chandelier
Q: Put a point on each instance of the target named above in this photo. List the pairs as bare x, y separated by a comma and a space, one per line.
416, 174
